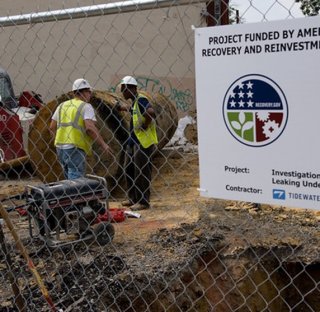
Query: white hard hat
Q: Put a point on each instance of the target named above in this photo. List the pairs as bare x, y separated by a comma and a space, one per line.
80, 84
128, 80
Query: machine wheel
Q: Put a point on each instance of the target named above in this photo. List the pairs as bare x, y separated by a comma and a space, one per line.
104, 233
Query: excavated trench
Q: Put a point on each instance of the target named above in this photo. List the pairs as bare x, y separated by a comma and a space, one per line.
214, 283
257, 280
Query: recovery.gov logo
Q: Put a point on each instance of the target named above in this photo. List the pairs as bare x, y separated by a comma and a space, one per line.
255, 110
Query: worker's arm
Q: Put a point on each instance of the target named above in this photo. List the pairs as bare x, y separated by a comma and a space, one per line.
149, 115
93, 132
53, 127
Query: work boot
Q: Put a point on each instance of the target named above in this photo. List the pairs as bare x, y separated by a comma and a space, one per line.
127, 203
138, 206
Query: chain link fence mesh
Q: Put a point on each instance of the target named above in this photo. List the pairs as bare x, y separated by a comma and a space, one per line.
74, 246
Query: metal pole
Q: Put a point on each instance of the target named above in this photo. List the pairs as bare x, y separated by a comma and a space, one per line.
92, 10
18, 299
210, 19
224, 12
218, 12
237, 17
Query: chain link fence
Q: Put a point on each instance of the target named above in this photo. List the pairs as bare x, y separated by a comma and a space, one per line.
74, 246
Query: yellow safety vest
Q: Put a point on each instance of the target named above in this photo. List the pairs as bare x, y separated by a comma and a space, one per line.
70, 126
148, 136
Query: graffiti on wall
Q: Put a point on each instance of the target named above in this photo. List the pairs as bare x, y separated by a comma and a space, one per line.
182, 98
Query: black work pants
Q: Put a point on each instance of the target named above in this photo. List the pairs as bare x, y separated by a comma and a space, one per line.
138, 169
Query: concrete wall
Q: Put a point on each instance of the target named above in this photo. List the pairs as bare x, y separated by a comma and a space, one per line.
154, 45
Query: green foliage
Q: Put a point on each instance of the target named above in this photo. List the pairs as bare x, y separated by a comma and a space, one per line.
309, 7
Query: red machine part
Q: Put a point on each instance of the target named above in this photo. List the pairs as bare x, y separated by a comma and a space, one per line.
30, 99
11, 141
113, 215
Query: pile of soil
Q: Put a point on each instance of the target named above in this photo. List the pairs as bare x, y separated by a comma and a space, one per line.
184, 254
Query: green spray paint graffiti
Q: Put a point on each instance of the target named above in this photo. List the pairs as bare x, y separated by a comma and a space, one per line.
183, 99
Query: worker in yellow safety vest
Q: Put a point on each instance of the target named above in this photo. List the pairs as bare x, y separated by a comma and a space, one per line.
74, 129
140, 145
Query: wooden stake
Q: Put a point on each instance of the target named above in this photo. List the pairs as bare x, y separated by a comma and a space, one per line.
18, 302
25, 255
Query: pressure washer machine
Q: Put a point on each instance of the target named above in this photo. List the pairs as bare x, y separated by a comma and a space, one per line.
69, 211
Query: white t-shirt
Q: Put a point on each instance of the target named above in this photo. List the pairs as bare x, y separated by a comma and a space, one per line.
87, 113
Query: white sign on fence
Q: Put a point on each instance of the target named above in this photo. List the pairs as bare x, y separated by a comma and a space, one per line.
258, 105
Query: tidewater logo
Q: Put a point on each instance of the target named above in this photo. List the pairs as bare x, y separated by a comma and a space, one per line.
255, 110
279, 194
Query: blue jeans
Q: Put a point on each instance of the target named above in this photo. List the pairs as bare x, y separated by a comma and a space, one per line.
73, 162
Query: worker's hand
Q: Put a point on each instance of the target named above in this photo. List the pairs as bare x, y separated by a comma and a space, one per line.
145, 125
120, 107
117, 106
107, 149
